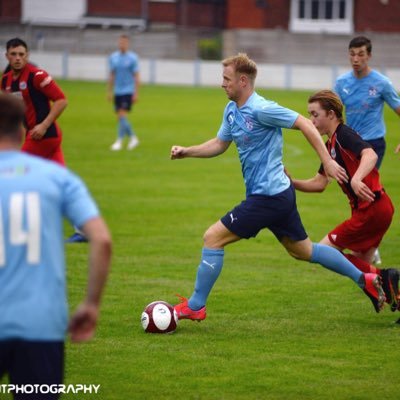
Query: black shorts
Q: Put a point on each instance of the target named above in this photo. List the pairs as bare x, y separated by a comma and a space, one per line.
32, 362
379, 146
278, 213
123, 102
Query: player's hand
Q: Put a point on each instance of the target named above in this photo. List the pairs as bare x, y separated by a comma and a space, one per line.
135, 98
335, 171
37, 132
397, 149
82, 324
362, 191
177, 152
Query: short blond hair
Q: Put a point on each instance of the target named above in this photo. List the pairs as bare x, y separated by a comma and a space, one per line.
242, 64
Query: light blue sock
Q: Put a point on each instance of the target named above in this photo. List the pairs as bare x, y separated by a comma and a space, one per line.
121, 129
334, 260
126, 126
208, 271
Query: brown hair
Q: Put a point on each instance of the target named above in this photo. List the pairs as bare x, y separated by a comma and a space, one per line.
329, 101
242, 64
12, 113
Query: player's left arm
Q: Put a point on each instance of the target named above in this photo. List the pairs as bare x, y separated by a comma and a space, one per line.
135, 96
44, 83
83, 322
392, 98
397, 111
331, 167
367, 163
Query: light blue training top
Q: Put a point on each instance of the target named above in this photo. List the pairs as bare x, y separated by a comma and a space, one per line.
124, 66
364, 99
35, 195
256, 130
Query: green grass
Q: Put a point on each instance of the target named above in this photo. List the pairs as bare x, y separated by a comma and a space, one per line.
276, 328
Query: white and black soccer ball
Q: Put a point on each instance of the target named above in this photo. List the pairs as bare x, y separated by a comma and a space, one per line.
159, 317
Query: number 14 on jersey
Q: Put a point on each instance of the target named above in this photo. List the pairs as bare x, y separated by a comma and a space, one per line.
20, 225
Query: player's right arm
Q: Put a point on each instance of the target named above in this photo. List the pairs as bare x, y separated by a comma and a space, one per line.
211, 148
316, 184
83, 322
110, 86
332, 168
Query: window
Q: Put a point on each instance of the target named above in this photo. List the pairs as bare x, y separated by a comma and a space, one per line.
331, 16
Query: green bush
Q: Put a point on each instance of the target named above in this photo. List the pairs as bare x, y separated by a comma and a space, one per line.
210, 48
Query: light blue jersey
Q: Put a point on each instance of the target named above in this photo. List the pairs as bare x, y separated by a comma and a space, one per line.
256, 130
364, 100
124, 66
35, 195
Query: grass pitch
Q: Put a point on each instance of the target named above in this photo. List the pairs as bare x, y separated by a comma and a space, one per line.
276, 328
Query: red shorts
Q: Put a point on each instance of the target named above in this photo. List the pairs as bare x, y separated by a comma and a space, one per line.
49, 148
365, 228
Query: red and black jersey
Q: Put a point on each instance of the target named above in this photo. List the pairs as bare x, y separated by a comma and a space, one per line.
345, 147
37, 88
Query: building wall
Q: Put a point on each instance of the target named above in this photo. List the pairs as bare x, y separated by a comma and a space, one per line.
10, 11
257, 14
205, 15
114, 8
377, 15
163, 12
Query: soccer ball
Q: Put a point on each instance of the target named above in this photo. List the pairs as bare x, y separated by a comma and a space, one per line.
159, 317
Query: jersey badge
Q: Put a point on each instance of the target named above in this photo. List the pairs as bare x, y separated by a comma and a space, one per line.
249, 124
23, 85
333, 153
231, 118
372, 91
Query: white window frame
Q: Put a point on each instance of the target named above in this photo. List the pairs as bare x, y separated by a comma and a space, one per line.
321, 25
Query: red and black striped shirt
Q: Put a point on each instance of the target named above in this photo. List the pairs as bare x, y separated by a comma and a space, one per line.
345, 147
37, 88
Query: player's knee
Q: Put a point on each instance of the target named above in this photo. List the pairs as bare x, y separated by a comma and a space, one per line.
299, 255
208, 237
212, 239
300, 250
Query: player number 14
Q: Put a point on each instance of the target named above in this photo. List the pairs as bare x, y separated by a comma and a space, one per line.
20, 205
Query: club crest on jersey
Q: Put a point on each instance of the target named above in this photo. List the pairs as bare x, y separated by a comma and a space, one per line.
23, 85
230, 118
372, 91
249, 124
333, 152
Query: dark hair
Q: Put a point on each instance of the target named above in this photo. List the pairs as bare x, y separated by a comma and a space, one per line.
12, 113
329, 101
360, 41
15, 42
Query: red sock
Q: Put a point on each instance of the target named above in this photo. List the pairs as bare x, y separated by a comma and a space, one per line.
362, 265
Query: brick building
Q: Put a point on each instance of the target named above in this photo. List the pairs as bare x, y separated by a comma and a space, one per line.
336, 16
272, 31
